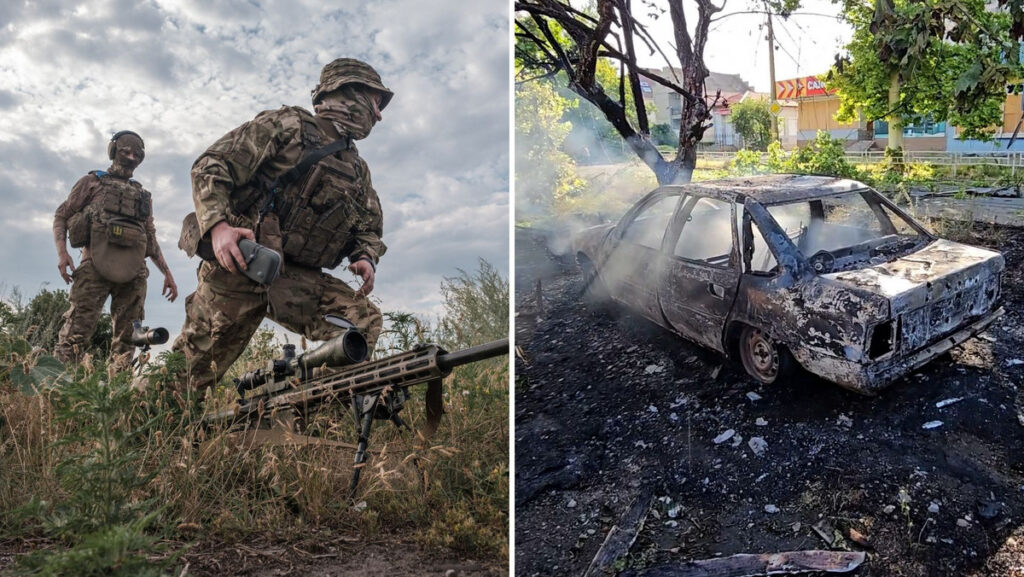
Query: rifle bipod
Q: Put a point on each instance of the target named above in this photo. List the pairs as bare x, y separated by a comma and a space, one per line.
365, 409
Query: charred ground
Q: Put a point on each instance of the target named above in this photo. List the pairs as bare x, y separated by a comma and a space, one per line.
610, 408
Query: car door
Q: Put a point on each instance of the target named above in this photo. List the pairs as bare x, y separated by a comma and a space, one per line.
701, 273
631, 267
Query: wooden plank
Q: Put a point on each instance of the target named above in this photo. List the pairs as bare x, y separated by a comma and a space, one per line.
621, 537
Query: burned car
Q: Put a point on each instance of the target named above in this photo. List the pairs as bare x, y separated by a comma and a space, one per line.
782, 271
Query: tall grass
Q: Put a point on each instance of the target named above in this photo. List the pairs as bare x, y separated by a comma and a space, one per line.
96, 472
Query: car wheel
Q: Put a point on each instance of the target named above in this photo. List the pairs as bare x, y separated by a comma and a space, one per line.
594, 291
762, 357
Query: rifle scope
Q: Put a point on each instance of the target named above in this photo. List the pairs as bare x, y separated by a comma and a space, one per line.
145, 336
348, 348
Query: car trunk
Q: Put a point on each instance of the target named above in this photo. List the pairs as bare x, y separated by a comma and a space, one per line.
932, 291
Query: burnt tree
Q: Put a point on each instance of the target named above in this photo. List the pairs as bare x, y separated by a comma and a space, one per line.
553, 37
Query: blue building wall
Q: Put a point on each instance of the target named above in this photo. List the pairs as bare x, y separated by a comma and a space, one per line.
954, 144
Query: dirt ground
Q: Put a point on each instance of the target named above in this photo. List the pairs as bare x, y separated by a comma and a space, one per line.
610, 409
313, 557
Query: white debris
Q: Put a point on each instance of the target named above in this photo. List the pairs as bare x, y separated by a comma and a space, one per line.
753, 396
654, 369
932, 425
903, 496
674, 511
771, 509
843, 420
758, 445
948, 402
673, 417
652, 409
724, 436
680, 401
571, 504
1014, 362
760, 422
888, 509
737, 440
360, 506
963, 523
933, 507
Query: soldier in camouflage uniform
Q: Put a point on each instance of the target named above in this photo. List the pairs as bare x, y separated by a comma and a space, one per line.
110, 217
316, 220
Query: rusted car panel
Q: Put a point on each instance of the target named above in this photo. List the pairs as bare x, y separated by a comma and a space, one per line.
878, 296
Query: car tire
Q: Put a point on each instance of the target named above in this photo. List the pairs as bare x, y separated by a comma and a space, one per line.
594, 290
763, 358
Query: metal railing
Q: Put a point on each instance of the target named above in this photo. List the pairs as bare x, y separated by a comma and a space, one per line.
955, 160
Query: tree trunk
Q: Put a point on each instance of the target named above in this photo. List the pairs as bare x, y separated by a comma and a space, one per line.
896, 116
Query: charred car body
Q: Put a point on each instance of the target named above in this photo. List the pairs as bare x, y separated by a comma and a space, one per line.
775, 269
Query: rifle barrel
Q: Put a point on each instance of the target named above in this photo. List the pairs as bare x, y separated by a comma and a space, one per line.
473, 354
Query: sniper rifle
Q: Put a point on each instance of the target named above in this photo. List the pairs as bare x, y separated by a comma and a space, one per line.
275, 400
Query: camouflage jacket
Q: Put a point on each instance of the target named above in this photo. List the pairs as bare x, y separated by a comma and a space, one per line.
91, 194
227, 175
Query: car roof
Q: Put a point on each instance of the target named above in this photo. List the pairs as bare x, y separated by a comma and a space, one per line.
770, 188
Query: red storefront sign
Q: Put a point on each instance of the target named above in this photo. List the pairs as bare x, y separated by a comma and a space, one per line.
801, 88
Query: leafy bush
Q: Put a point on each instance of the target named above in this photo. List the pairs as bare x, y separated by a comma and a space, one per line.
825, 156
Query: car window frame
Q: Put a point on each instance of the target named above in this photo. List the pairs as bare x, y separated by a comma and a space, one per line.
653, 197
679, 221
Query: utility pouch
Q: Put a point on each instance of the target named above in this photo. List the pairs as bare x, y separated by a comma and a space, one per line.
192, 242
124, 232
262, 264
270, 234
114, 254
78, 229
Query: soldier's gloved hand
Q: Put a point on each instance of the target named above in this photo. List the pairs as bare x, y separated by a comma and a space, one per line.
365, 270
63, 263
225, 245
170, 288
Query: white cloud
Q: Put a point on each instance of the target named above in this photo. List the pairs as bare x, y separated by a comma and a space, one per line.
184, 72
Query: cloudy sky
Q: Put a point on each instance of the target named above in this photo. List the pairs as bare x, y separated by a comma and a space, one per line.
183, 72
807, 41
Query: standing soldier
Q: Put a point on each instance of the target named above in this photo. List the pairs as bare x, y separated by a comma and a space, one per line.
295, 181
110, 217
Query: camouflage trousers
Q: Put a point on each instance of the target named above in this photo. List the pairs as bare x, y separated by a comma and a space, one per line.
89, 291
226, 309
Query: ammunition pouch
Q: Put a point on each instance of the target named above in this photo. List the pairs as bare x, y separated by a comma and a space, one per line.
78, 229
192, 242
118, 249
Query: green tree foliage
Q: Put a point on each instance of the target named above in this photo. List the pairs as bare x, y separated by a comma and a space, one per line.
544, 173
476, 307
662, 135
948, 60
40, 320
753, 121
824, 156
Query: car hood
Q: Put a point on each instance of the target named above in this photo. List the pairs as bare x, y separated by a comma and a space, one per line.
938, 271
589, 240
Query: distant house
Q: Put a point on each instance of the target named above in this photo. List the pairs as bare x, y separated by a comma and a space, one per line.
723, 135
665, 107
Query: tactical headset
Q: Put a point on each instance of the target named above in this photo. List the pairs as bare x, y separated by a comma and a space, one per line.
112, 145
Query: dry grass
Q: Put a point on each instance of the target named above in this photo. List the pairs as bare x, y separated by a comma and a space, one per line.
452, 496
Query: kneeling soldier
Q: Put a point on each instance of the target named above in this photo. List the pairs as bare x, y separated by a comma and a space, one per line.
295, 181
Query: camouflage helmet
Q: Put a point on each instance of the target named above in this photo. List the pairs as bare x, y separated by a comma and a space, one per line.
350, 71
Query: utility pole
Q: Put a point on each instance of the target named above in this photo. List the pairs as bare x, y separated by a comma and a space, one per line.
774, 124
